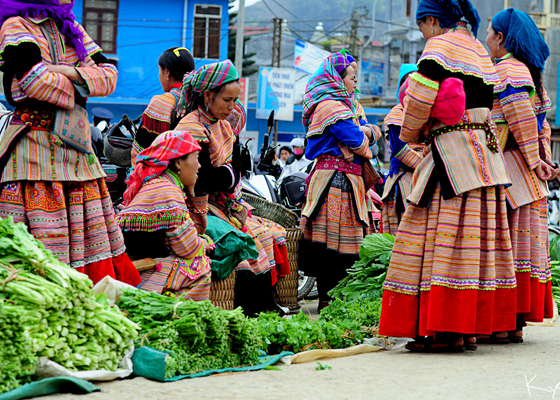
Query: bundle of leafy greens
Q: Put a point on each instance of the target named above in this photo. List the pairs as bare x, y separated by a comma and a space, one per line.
197, 335
365, 278
341, 325
555, 267
48, 309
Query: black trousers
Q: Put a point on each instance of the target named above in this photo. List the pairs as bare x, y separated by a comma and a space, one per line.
327, 265
254, 293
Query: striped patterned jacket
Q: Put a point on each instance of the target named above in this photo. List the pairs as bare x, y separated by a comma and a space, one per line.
37, 156
523, 132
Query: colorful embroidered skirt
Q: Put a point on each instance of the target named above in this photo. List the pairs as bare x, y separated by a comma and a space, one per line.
529, 236
167, 277
76, 221
336, 223
395, 204
452, 268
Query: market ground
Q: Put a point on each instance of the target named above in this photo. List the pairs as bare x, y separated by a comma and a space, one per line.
491, 372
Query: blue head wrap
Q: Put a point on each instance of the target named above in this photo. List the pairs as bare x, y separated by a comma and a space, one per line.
523, 38
405, 69
449, 12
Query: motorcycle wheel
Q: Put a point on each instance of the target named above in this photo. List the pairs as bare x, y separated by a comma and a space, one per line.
305, 285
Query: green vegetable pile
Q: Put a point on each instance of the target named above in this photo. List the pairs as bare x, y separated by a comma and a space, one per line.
555, 267
341, 325
48, 309
365, 278
197, 335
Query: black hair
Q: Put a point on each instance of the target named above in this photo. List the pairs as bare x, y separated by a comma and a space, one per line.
172, 162
343, 73
423, 19
177, 66
287, 148
403, 79
536, 73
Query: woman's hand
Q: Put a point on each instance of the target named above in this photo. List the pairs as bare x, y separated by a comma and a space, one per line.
544, 171
555, 169
69, 72
88, 62
367, 131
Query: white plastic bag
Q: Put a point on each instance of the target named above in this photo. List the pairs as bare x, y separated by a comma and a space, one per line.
50, 369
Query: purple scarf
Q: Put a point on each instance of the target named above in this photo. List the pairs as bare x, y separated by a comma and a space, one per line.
61, 14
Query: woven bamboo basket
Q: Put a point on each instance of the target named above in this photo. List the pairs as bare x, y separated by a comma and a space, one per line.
222, 291
272, 211
286, 288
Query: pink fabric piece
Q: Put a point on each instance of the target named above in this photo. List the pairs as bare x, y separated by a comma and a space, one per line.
449, 106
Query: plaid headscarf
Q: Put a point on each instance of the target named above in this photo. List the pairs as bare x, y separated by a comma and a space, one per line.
153, 161
207, 77
326, 84
523, 38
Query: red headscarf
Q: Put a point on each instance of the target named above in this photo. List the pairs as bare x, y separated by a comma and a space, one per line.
153, 161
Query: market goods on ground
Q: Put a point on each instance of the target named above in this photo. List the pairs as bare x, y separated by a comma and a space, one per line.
48, 309
197, 335
365, 278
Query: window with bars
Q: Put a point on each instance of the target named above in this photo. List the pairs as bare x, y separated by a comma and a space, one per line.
100, 22
207, 31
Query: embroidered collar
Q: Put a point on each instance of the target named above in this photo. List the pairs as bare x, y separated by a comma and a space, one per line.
176, 86
508, 55
206, 117
173, 178
38, 20
461, 27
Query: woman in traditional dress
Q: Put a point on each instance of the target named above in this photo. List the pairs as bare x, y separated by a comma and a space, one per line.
209, 97
335, 216
51, 180
520, 107
451, 274
164, 219
404, 160
160, 114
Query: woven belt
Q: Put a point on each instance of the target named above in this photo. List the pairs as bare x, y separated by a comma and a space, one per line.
490, 129
338, 164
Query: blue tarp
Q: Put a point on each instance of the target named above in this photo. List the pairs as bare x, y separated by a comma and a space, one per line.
150, 363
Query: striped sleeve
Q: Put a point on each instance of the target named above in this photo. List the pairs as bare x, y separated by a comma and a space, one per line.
40, 84
184, 240
420, 97
101, 80
409, 157
198, 207
520, 116
544, 142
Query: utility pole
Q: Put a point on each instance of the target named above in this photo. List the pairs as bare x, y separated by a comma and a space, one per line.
240, 37
276, 47
354, 33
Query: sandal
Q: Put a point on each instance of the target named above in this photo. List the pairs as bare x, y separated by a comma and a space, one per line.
431, 345
468, 345
492, 339
515, 339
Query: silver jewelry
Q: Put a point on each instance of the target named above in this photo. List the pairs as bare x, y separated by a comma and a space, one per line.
179, 172
498, 47
206, 107
433, 27
167, 78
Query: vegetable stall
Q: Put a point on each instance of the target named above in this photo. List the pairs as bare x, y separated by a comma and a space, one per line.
48, 311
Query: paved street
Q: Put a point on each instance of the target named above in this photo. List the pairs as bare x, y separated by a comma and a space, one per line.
492, 372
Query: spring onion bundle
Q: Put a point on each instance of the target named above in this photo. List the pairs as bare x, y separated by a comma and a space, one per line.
197, 335
48, 309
